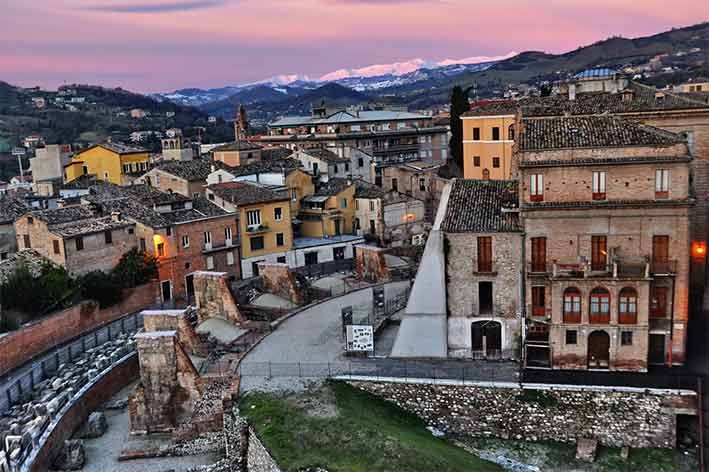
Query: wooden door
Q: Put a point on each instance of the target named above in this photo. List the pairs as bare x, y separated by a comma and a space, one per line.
658, 302
598, 253
538, 301
599, 344
539, 254
660, 254
656, 349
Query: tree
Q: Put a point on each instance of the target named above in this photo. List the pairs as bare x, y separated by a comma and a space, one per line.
135, 268
545, 90
459, 105
102, 287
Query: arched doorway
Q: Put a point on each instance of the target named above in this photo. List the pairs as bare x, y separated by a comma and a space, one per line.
599, 347
486, 339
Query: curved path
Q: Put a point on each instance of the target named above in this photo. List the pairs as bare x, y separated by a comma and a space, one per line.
313, 335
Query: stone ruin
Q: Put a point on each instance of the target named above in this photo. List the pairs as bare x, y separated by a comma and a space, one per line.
213, 297
180, 321
279, 280
371, 264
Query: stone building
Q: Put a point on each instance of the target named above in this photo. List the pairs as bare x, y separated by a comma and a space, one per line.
80, 238
483, 260
10, 209
606, 205
418, 179
186, 178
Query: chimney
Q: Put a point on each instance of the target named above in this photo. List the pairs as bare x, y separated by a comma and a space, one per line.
116, 216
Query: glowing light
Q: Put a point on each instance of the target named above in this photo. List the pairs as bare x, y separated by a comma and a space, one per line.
699, 249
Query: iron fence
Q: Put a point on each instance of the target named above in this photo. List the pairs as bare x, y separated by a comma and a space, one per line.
19, 383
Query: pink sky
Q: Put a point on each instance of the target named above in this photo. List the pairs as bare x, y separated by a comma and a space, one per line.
161, 45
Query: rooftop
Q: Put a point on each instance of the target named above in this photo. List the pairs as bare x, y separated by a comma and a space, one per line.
30, 258
478, 206
347, 117
332, 187
92, 225
11, 209
238, 146
118, 148
591, 132
247, 193
596, 73
366, 190
194, 170
493, 107
324, 154
67, 214
300, 243
285, 166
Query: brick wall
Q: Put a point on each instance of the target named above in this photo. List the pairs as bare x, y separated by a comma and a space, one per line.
279, 280
213, 297
371, 265
17, 347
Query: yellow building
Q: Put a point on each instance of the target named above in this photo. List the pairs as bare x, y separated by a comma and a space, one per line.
264, 221
300, 185
330, 211
488, 138
693, 87
113, 162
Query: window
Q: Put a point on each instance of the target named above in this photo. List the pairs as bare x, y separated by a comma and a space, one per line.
658, 303
168, 231
279, 239
281, 259
256, 243
496, 162
195, 195
26, 240
539, 254
511, 133
538, 302
422, 184
85, 170
628, 306
371, 205
347, 166
599, 186
476, 161
661, 254
343, 203
294, 194
108, 236
571, 336
131, 230
484, 254
230, 258
495, 133
105, 175
126, 168
395, 184
336, 168
626, 338
55, 243
486, 174
79, 242
185, 241
662, 183
208, 238
142, 244
572, 305
210, 262
227, 234
360, 162
372, 227
161, 249
476, 134
253, 217
600, 306
598, 252
536, 187
338, 253
30, 220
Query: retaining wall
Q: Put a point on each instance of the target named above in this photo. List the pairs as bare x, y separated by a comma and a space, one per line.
20, 346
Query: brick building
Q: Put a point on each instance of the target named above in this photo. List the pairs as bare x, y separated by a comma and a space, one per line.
483, 263
606, 205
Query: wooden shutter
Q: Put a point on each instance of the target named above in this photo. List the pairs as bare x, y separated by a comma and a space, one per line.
660, 254
538, 302
539, 254
598, 253
485, 254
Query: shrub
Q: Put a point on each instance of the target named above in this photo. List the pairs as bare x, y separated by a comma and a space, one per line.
102, 287
135, 268
36, 295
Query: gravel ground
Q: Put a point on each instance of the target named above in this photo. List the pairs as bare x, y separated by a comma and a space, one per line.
311, 336
102, 453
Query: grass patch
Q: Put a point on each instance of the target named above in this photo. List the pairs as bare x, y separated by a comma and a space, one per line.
368, 434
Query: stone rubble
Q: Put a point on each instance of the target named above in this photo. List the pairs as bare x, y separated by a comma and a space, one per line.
95, 426
24, 423
72, 456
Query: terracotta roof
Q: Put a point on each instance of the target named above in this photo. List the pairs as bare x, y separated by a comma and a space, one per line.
495, 107
65, 215
274, 153
591, 132
72, 229
285, 166
476, 206
192, 171
366, 190
247, 193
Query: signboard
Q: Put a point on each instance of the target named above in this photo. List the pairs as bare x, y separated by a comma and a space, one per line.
360, 338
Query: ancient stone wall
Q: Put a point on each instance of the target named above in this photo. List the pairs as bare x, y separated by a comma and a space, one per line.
213, 297
175, 320
279, 280
615, 418
17, 347
371, 264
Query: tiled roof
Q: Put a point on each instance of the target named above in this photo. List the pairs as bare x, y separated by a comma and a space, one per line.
246, 193
201, 209
476, 206
606, 161
324, 154
285, 166
192, 171
238, 146
590, 132
144, 193
91, 225
118, 148
332, 187
67, 214
366, 190
29, 258
494, 107
347, 117
273, 153
11, 209
596, 73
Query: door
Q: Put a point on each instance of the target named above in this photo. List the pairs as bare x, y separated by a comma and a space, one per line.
493, 340
658, 303
338, 230
538, 302
338, 253
599, 344
189, 285
660, 254
311, 258
166, 290
656, 349
485, 298
598, 253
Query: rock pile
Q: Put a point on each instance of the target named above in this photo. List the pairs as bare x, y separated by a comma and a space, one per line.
22, 425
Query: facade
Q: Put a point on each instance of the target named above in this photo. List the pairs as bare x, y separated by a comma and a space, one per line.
80, 238
418, 179
483, 264
176, 148
388, 136
330, 211
336, 162
111, 162
607, 222
48, 164
237, 153
488, 138
187, 178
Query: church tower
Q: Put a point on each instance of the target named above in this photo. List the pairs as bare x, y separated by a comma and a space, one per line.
241, 124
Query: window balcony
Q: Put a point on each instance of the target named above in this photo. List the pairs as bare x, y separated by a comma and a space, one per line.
638, 268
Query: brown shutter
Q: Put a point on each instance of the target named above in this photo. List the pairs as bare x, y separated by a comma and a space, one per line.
485, 254
539, 254
660, 254
598, 253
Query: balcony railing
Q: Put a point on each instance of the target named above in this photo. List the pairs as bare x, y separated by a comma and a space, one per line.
618, 268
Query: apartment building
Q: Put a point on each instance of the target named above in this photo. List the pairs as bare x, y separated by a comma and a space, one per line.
112, 162
488, 137
336, 162
606, 205
418, 179
330, 211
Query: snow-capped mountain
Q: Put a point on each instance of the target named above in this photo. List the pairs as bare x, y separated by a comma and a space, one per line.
365, 79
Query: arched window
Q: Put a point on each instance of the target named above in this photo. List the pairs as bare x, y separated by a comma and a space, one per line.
486, 174
511, 133
600, 308
628, 306
572, 305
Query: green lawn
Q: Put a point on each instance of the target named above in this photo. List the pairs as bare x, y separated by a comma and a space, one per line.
366, 434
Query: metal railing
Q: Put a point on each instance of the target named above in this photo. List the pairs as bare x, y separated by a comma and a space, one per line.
18, 384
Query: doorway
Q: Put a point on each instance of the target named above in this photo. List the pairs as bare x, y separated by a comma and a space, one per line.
485, 298
486, 339
656, 349
189, 286
599, 348
166, 290
338, 229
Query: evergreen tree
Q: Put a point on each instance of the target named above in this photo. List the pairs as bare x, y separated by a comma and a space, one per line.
459, 105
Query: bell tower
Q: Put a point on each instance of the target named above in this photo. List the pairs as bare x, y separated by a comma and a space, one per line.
241, 124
